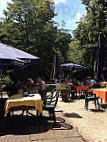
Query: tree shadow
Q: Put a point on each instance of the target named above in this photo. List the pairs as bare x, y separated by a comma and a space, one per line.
103, 105
82, 97
22, 125
97, 110
26, 125
72, 115
70, 101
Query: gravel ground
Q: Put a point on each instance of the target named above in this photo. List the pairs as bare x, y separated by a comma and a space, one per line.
91, 124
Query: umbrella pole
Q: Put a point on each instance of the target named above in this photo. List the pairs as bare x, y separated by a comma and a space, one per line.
1, 83
70, 75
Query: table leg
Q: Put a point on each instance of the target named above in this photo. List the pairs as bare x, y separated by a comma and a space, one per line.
8, 119
38, 113
101, 101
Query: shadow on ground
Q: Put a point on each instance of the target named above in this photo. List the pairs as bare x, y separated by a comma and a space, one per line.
25, 125
97, 110
70, 101
72, 115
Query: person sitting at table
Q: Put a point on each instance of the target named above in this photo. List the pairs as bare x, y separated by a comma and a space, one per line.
30, 81
91, 82
84, 82
15, 87
42, 87
30, 85
74, 81
63, 77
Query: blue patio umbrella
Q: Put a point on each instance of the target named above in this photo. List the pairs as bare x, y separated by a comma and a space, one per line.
9, 62
101, 71
72, 66
11, 57
19, 54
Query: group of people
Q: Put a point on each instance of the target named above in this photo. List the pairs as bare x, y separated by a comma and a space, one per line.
16, 86
89, 81
42, 89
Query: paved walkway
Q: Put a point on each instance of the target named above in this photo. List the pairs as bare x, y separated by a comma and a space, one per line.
30, 129
91, 124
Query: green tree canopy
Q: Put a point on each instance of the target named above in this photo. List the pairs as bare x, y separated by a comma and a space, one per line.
86, 34
29, 25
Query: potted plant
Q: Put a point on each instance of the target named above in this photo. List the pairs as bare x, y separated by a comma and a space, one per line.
65, 88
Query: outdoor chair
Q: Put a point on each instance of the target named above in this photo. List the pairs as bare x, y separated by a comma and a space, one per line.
50, 95
49, 105
89, 96
73, 93
81, 92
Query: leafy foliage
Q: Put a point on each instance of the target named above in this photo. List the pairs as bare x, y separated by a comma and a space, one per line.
29, 26
83, 47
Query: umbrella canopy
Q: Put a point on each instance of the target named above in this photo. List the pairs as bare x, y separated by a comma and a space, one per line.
8, 50
72, 66
100, 68
8, 61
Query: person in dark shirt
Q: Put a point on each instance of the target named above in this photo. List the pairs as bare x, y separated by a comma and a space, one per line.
30, 85
15, 87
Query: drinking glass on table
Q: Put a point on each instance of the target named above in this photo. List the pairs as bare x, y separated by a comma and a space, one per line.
35, 90
20, 91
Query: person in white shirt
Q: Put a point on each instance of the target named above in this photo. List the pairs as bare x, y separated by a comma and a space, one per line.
91, 82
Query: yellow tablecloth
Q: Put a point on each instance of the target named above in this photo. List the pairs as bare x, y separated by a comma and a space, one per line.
19, 100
